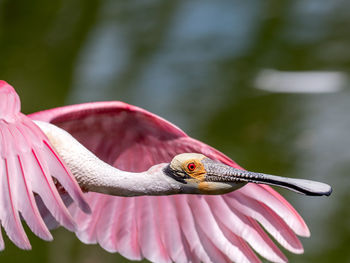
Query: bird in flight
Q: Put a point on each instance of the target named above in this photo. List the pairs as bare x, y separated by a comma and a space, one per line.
136, 184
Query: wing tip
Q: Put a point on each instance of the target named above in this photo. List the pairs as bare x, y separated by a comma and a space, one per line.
10, 102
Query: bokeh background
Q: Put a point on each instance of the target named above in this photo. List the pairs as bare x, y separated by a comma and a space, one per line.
224, 71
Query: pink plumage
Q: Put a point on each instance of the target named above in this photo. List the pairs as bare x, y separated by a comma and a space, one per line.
27, 164
180, 228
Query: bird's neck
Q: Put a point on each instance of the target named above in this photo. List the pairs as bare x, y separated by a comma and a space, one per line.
92, 174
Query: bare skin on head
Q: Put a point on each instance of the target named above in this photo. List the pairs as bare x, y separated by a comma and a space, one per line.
191, 164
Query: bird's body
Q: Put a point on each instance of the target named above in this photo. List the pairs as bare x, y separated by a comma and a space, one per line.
133, 166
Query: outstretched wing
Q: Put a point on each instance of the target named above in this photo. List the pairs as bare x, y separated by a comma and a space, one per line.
179, 228
27, 164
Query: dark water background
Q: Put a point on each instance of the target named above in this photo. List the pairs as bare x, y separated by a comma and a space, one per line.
202, 65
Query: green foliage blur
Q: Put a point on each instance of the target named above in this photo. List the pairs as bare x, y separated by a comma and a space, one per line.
196, 64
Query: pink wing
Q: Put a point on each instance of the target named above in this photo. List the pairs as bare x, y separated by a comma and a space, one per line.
181, 228
27, 162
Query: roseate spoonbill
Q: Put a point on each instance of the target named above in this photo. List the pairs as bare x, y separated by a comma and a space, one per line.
133, 166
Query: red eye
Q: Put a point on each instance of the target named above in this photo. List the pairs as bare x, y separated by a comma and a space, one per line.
191, 166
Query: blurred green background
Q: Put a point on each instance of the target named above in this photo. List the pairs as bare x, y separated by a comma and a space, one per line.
214, 69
